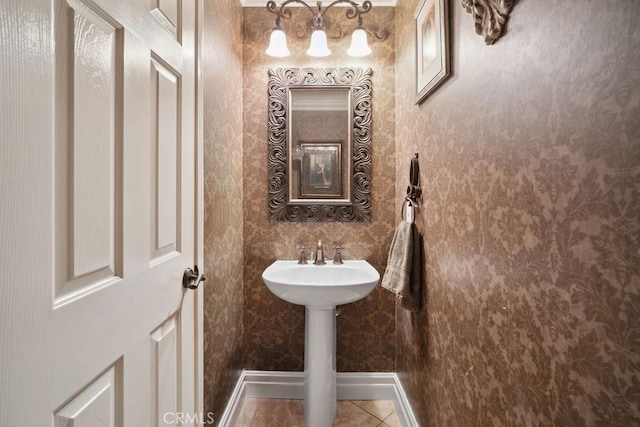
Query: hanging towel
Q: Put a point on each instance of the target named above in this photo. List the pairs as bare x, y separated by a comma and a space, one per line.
403, 275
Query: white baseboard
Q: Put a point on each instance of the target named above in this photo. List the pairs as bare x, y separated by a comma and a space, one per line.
290, 385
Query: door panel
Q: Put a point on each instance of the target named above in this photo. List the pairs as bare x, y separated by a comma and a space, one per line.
168, 13
95, 71
87, 91
165, 215
165, 371
98, 405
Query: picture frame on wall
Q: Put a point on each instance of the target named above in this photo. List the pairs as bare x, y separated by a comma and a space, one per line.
320, 175
432, 46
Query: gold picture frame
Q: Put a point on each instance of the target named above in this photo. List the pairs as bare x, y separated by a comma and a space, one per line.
432, 46
320, 172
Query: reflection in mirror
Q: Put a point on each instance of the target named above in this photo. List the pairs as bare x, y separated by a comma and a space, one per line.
319, 145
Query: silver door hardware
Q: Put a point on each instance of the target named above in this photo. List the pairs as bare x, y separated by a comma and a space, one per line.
191, 278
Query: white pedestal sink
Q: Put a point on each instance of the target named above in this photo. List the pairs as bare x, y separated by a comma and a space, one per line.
320, 288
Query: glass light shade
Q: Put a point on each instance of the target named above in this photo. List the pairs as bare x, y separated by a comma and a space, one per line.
359, 45
278, 44
318, 45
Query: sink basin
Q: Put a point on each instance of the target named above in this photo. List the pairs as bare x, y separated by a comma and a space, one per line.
321, 285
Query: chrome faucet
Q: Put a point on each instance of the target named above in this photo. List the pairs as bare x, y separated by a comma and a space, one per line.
319, 254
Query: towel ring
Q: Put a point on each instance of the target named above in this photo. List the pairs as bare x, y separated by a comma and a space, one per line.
407, 212
414, 191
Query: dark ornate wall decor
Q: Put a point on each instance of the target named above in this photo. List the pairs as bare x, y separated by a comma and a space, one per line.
281, 209
490, 17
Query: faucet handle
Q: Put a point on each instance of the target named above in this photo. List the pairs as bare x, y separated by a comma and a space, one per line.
302, 259
337, 254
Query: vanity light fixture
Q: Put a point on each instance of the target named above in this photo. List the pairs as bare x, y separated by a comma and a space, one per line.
318, 47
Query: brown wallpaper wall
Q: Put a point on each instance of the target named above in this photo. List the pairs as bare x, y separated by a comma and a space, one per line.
530, 162
222, 80
274, 329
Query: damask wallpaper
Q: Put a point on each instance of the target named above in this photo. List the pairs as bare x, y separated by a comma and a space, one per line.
530, 165
222, 86
274, 329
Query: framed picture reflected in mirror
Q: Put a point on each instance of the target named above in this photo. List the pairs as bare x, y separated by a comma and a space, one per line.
320, 174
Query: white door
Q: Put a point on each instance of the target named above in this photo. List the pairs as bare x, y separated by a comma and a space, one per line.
99, 214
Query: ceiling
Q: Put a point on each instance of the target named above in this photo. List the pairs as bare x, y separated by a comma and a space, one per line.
263, 3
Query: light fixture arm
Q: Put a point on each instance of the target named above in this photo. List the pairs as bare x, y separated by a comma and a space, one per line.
281, 12
355, 11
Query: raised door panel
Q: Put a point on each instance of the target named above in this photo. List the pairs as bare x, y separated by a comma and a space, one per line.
97, 405
89, 46
165, 168
168, 14
165, 372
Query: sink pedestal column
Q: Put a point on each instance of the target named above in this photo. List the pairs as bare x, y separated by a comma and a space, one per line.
320, 367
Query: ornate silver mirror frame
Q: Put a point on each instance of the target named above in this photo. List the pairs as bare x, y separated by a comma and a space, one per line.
281, 207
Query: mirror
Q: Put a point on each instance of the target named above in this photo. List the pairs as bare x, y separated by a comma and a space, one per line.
319, 145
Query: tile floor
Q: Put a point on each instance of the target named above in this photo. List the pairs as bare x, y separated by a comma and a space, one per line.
259, 412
